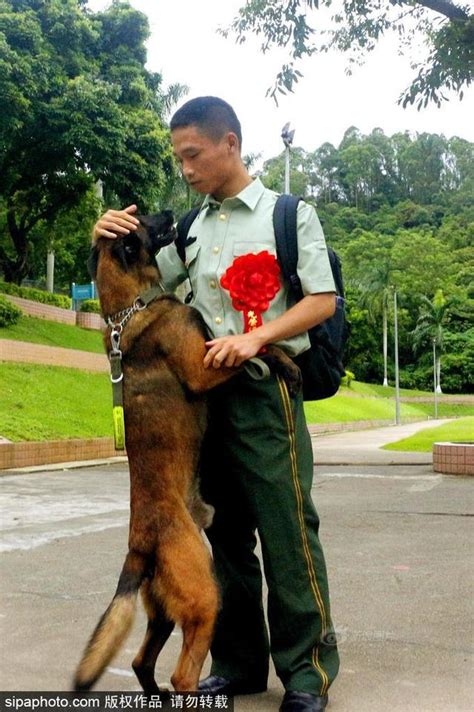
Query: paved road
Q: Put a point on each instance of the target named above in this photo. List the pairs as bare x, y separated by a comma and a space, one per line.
398, 542
364, 447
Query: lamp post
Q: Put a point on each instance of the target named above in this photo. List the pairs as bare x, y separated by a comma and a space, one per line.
50, 267
397, 372
435, 380
287, 136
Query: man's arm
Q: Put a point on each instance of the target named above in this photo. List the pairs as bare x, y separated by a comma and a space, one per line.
234, 350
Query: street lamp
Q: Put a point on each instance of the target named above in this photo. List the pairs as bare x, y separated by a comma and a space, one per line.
397, 371
287, 136
435, 380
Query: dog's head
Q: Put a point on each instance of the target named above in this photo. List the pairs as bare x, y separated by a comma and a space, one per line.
127, 263
137, 248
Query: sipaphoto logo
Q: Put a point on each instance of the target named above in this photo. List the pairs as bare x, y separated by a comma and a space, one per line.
48, 701
104, 701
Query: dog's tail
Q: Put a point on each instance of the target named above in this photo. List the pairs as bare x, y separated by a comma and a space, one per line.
114, 625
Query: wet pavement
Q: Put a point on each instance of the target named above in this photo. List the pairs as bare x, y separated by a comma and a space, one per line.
398, 543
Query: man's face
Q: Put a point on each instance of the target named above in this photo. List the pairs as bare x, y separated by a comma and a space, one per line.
207, 164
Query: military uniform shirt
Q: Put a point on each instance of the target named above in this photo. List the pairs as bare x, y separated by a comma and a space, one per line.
239, 226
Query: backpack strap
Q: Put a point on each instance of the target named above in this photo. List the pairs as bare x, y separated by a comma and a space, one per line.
286, 238
182, 229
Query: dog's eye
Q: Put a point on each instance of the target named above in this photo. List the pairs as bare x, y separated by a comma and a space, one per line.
131, 250
131, 247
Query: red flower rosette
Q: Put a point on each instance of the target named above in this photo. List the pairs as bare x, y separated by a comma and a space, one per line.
252, 280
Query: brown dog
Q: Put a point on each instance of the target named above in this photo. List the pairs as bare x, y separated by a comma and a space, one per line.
162, 349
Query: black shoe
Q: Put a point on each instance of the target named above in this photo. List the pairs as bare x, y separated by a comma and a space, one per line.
303, 702
215, 685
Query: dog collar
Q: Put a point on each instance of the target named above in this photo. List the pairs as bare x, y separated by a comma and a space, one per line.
119, 319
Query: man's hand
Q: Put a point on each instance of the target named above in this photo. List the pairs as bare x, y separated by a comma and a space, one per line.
115, 222
232, 350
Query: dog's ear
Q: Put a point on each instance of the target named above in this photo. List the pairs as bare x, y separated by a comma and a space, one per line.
93, 261
160, 229
126, 250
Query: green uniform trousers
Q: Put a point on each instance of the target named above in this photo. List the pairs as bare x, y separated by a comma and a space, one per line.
257, 471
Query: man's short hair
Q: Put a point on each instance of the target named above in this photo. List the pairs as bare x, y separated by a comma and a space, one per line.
213, 116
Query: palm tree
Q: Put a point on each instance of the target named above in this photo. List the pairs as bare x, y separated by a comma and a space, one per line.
172, 96
376, 287
430, 328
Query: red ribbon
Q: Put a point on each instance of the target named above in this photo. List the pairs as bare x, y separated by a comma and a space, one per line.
252, 280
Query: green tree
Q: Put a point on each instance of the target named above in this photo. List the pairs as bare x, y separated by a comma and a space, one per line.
356, 26
78, 105
376, 295
273, 173
422, 263
323, 166
430, 329
69, 238
370, 270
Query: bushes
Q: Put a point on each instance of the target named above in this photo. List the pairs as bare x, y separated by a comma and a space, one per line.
9, 313
347, 378
36, 295
91, 306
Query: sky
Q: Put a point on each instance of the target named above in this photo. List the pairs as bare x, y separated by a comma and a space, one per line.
186, 48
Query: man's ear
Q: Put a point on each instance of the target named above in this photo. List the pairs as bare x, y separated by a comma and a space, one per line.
93, 261
233, 142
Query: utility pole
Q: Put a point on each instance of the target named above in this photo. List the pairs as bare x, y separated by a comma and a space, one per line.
287, 136
397, 372
50, 268
435, 381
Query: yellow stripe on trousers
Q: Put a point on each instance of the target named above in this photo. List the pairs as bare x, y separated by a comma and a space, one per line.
304, 537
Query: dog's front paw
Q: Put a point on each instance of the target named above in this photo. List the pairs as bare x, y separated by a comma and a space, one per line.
292, 376
283, 366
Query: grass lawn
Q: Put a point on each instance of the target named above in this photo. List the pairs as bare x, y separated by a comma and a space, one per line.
48, 402
52, 403
371, 389
457, 431
52, 333
342, 408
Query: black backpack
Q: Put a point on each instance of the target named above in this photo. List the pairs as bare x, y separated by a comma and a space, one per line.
321, 365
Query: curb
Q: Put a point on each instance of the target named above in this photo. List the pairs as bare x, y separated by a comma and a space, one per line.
60, 466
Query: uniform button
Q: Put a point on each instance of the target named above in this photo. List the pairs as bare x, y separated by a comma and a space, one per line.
213, 284
222, 216
218, 320
215, 250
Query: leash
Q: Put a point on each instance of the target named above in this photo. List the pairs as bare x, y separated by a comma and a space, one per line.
117, 323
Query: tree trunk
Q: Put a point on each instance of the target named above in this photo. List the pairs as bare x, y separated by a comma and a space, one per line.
385, 349
15, 270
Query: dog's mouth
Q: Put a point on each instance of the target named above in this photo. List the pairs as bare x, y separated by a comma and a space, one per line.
167, 237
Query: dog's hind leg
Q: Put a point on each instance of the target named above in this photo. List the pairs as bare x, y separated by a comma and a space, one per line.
114, 625
189, 595
158, 631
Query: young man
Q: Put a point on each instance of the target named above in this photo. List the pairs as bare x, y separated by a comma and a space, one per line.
257, 464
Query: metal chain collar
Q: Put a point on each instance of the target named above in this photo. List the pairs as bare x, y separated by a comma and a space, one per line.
117, 327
